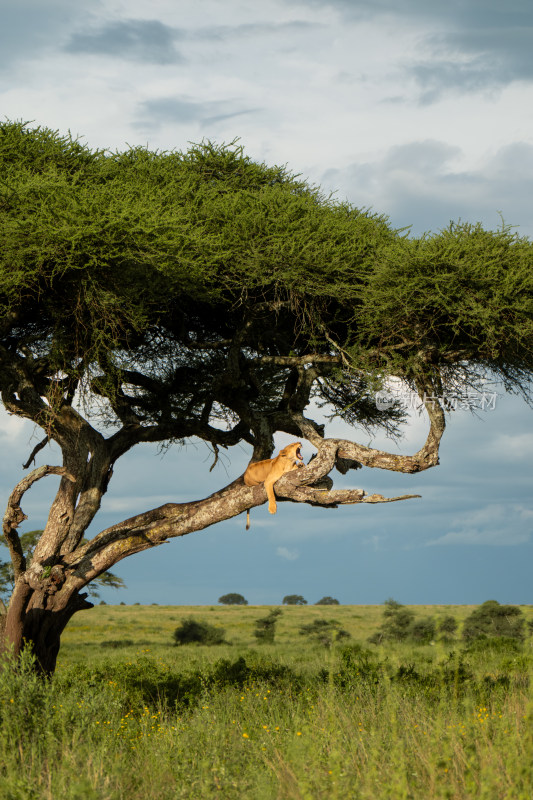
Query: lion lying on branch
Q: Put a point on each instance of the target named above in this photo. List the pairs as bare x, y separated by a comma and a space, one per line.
270, 470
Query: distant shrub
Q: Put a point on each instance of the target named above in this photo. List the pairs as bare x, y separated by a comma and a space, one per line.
422, 630
265, 627
327, 601
324, 631
391, 606
448, 626
294, 600
494, 620
233, 599
357, 665
400, 625
397, 625
196, 631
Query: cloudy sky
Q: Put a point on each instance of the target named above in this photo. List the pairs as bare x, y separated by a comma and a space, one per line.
420, 110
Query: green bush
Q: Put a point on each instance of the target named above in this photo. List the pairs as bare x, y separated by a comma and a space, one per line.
494, 620
401, 625
422, 630
193, 631
265, 627
323, 631
448, 626
397, 625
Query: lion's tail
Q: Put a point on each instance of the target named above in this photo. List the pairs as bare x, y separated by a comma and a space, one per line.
247, 519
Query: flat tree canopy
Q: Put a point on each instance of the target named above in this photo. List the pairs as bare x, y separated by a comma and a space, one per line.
157, 296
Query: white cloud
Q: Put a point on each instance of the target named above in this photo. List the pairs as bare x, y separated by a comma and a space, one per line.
512, 447
12, 428
496, 524
473, 536
289, 555
419, 182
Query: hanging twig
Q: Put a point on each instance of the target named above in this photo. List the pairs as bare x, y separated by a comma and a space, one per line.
36, 449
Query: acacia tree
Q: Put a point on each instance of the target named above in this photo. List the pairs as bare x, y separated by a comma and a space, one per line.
154, 297
233, 599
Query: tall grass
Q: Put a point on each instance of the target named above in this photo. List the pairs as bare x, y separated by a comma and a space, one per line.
270, 722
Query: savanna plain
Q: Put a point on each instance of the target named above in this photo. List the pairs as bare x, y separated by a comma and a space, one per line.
312, 714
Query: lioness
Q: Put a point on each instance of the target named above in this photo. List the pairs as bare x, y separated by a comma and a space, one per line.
270, 470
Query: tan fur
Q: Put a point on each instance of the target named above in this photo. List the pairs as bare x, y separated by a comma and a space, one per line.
270, 470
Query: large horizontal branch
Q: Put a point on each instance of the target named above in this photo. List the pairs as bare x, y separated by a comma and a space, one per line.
171, 520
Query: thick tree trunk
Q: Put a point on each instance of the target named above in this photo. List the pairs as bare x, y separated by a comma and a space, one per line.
37, 618
41, 605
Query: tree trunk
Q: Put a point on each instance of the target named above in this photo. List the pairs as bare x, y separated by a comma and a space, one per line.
37, 617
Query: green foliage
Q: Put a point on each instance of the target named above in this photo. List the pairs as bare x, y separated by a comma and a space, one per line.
159, 251
401, 625
391, 606
294, 600
265, 627
397, 625
423, 630
494, 620
448, 625
323, 631
198, 632
358, 665
494, 644
327, 601
233, 599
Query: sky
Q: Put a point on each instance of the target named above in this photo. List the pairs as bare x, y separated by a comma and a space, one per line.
419, 110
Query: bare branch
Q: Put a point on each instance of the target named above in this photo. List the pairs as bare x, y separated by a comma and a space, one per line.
14, 514
36, 449
378, 498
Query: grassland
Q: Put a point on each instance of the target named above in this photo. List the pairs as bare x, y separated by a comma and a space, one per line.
129, 715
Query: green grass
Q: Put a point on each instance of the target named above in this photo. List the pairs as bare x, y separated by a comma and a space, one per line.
287, 720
